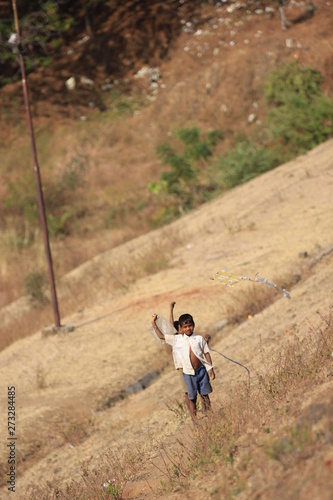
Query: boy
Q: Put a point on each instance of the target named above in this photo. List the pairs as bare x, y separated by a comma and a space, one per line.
193, 352
177, 361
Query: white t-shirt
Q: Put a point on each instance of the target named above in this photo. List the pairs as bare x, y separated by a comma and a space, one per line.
177, 362
181, 346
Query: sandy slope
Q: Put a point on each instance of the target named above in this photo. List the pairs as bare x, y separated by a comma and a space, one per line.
63, 381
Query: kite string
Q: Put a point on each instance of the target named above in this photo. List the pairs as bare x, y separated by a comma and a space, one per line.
232, 361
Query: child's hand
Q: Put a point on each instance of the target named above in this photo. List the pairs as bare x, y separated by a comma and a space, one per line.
212, 374
153, 319
172, 305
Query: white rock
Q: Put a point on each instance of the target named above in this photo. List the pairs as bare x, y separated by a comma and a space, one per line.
71, 83
83, 40
13, 40
86, 81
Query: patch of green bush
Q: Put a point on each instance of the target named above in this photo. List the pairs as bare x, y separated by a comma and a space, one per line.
292, 78
58, 224
42, 25
186, 183
73, 175
300, 118
300, 124
21, 202
21, 198
246, 161
34, 285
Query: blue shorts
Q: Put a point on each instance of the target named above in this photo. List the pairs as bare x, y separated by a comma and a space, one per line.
198, 383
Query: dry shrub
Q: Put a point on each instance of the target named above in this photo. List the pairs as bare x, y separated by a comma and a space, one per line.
107, 481
250, 302
258, 296
172, 465
300, 362
23, 325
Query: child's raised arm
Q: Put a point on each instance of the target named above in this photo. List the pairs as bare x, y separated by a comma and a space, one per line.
172, 305
156, 329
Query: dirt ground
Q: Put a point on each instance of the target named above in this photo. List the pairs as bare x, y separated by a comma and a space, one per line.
69, 387
63, 381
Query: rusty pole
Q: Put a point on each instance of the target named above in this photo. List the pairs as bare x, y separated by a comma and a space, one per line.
41, 205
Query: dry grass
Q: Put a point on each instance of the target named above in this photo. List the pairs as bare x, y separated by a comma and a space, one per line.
25, 324
70, 428
105, 482
21, 241
75, 292
249, 303
261, 409
269, 408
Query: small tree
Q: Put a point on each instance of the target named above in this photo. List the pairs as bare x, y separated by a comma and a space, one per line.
184, 183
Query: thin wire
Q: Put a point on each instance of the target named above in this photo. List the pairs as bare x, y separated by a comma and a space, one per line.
232, 361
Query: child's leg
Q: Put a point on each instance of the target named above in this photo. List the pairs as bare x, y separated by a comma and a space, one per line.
206, 403
192, 391
188, 402
193, 409
205, 389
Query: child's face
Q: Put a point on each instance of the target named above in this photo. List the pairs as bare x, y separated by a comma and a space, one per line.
187, 328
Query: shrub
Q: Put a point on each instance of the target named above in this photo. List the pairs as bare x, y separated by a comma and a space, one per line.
73, 174
42, 24
58, 224
186, 183
300, 118
34, 284
301, 125
292, 78
246, 161
20, 201
21, 198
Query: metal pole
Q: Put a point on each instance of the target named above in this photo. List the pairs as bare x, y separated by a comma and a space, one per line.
40, 198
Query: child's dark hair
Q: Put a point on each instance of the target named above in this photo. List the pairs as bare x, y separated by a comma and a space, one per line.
185, 318
176, 325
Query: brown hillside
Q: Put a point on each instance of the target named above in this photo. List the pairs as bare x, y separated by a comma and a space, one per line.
78, 414
211, 76
278, 225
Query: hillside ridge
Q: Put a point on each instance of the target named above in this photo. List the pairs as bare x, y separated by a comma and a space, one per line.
51, 373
